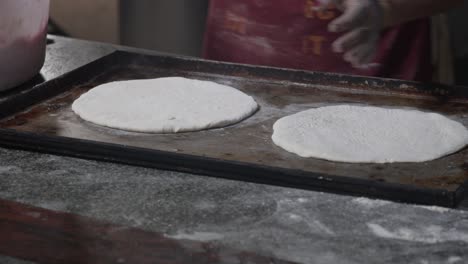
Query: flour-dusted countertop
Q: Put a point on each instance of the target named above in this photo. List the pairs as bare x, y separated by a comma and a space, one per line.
288, 224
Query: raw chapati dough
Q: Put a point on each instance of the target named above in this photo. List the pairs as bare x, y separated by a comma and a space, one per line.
164, 105
347, 133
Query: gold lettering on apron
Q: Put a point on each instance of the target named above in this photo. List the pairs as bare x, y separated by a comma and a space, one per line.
309, 11
313, 44
235, 23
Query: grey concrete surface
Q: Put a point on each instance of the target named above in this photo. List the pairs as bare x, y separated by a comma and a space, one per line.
296, 225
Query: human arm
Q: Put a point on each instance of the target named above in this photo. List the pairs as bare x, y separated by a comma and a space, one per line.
363, 20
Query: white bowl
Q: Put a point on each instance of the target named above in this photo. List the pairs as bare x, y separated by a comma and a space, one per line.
23, 30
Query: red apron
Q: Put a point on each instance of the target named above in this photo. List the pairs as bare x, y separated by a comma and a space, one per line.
290, 34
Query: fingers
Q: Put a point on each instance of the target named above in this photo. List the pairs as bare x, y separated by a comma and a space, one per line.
361, 56
325, 4
351, 39
359, 47
322, 4
355, 15
368, 66
360, 26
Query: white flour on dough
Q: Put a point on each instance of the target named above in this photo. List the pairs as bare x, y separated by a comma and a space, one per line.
364, 134
164, 105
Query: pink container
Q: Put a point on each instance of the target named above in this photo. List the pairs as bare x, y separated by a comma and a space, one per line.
23, 29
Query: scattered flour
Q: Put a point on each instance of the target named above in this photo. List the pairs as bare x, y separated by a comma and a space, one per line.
370, 203
135, 220
295, 217
204, 205
435, 208
454, 260
33, 214
53, 205
320, 226
197, 236
429, 234
5, 169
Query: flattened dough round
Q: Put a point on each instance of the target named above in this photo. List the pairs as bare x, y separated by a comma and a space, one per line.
164, 105
362, 134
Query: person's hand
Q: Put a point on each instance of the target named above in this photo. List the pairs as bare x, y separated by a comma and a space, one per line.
360, 23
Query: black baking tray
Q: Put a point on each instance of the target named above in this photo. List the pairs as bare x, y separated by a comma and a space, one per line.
40, 119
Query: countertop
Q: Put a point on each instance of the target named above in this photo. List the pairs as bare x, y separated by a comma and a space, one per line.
65, 210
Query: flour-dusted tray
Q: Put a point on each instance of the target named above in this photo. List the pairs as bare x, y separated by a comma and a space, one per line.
243, 151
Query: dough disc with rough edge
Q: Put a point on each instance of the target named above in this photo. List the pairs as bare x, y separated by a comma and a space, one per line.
164, 105
364, 134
